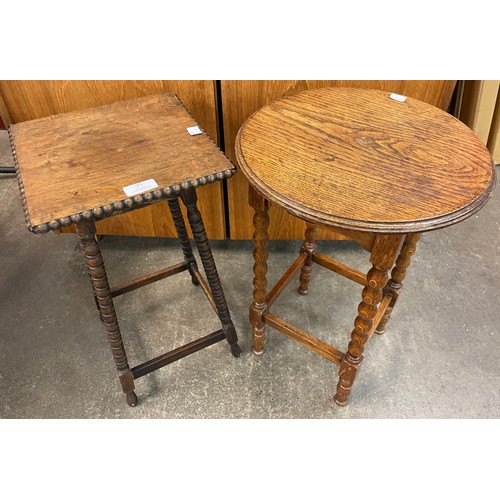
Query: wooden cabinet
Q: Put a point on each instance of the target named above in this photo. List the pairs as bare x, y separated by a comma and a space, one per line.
481, 112
27, 100
240, 98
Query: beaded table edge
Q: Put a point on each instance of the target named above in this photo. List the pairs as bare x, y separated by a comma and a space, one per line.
327, 220
115, 208
128, 204
19, 177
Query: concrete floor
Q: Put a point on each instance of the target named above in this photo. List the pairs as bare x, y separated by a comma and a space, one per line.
438, 359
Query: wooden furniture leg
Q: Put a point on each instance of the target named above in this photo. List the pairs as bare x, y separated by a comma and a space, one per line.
383, 255
398, 274
189, 199
309, 248
100, 286
260, 253
180, 227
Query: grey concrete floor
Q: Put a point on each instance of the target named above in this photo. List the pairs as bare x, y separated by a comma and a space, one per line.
438, 359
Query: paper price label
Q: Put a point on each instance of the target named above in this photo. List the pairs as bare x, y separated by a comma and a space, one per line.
397, 97
140, 187
194, 130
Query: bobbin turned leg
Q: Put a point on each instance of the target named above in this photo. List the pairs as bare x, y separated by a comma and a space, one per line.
100, 286
180, 227
384, 253
189, 199
309, 248
260, 252
398, 274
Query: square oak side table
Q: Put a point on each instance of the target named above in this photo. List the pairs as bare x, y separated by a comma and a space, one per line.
376, 167
83, 166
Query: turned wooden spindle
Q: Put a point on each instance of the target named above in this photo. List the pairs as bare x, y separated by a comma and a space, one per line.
383, 255
398, 274
260, 253
180, 227
309, 247
100, 286
372, 295
189, 199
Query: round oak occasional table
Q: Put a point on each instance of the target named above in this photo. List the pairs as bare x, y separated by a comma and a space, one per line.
376, 167
80, 167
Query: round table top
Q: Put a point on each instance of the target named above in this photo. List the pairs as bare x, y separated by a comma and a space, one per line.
359, 159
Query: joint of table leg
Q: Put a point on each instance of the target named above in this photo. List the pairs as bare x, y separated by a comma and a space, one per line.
257, 312
308, 249
394, 292
193, 271
127, 382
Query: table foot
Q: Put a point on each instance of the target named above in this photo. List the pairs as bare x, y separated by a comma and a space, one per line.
132, 399
235, 350
339, 401
258, 332
232, 339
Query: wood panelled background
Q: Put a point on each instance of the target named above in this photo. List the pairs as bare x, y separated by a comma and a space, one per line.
27, 100
240, 98
481, 112
24, 100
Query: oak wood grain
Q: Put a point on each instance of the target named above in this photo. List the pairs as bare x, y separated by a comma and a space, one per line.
77, 162
31, 99
242, 98
356, 159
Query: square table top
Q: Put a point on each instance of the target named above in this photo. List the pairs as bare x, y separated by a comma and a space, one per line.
75, 165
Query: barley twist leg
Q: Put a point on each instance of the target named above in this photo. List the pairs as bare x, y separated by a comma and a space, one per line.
102, 293
180, 227
190, 198
260, 253
309, 248
398, 274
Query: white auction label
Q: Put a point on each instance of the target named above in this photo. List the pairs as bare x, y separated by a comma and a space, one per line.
140, 187
397, 97
194, 130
